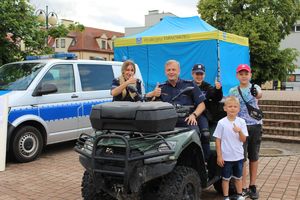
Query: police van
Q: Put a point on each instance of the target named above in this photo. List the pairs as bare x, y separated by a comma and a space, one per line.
51, 99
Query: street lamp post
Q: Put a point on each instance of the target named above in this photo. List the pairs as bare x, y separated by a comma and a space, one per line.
49, 17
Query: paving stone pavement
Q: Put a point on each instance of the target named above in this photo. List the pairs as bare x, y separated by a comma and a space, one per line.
57, 175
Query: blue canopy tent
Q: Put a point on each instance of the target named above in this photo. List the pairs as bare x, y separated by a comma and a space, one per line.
188, 40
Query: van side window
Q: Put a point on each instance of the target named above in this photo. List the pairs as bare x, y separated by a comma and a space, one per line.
95, 77
62, 76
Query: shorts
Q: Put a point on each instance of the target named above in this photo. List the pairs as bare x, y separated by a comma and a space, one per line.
232, 169
252, 144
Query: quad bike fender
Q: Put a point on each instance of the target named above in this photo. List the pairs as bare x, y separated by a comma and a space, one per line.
85, 162
184, 140
149, 172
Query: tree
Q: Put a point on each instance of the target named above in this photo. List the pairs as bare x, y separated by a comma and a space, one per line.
19, 24
265, 23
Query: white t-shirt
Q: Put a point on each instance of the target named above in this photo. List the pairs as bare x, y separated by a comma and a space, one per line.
231, 146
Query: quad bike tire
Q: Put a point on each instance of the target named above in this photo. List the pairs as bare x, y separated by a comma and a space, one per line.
88, 190
181, 183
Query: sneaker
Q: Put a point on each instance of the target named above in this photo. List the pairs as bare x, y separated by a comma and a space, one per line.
253, 193
245, 192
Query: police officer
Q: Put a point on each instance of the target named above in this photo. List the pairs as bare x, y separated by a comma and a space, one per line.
119, 88
166, 91
213, 96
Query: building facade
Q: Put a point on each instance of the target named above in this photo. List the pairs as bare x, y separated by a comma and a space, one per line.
293, 41
91, 43
151, 19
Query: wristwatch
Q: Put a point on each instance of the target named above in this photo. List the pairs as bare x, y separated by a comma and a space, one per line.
195, 114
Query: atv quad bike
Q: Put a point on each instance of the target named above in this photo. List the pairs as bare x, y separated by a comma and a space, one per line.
138, 153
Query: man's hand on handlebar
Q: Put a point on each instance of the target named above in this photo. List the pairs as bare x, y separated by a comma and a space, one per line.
191, 119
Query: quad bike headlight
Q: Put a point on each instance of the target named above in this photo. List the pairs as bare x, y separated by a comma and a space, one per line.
88, 145
165, 147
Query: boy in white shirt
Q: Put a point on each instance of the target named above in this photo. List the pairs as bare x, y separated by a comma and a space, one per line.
231, 133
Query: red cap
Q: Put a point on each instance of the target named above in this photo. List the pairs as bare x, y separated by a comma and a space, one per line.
243, 67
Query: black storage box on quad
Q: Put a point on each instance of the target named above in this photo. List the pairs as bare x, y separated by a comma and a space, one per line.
147, 117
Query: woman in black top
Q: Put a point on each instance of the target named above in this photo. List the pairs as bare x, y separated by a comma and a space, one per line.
119, 89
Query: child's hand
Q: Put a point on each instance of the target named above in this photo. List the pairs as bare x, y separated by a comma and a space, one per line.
220, 161
236, 129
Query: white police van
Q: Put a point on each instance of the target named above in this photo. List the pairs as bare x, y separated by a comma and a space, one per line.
50, 100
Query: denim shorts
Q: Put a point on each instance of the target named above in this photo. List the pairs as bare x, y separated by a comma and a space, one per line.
252, 144
232, 169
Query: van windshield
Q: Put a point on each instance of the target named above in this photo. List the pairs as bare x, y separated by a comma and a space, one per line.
18, 76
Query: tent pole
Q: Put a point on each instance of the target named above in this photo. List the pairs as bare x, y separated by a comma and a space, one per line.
148, 68
219, 67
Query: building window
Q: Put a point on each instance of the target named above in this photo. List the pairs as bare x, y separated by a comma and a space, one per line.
297, 79
73, 42
297, 28
57, 43
103, 44
63, 43
112, 45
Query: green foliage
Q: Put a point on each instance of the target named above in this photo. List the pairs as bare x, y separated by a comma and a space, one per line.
16, 18
19, 21
265, 23
76, 27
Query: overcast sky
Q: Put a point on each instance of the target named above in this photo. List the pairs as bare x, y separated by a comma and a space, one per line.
115, 14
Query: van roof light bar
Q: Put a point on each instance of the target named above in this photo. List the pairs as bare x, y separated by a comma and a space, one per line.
67, 56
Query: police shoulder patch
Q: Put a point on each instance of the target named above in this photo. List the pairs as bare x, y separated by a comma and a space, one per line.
162, 84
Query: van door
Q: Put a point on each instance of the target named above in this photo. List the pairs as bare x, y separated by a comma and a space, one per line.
95, 80
61, 109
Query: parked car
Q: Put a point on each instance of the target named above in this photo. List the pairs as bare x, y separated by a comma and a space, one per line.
50, 100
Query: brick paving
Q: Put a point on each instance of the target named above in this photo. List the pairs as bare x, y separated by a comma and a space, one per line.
57, 175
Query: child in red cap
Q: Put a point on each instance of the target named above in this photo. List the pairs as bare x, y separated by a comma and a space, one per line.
251, 93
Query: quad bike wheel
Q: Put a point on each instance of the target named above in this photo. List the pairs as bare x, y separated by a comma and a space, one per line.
183, 183
88, 190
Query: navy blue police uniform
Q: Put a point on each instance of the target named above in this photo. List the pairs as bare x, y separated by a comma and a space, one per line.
194, 98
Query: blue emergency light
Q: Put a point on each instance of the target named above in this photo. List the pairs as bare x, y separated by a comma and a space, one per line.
67, 56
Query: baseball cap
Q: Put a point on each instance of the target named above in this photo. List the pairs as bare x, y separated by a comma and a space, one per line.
198, 68
243, 67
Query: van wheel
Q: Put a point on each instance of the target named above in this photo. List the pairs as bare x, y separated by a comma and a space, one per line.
27, 144
181, 184
88, 190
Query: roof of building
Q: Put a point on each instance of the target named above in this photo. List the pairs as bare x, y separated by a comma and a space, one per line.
87, 39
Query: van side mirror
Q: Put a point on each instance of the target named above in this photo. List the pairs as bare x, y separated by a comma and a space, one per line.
47, 88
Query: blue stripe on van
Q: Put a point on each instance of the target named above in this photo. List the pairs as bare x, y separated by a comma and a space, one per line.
16, 113
87, 106
55, 112
3, 92
60, 112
